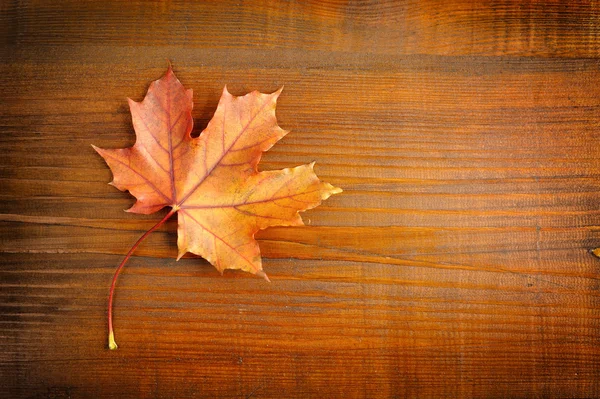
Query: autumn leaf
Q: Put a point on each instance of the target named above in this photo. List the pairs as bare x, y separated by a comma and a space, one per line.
211, 182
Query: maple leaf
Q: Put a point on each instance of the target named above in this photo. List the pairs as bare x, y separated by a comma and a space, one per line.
211, 182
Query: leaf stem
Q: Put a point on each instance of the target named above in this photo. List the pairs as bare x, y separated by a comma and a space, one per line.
111, 335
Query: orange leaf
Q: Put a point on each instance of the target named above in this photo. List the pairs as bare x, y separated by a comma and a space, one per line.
212, 181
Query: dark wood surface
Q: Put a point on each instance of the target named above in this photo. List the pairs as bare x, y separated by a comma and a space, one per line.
455, 264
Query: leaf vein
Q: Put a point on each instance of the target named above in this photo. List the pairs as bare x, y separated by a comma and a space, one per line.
140, 175
208, 172
220, 239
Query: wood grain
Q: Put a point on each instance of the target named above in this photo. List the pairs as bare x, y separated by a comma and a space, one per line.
455, 264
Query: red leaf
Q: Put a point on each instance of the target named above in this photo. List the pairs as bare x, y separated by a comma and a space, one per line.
212, 181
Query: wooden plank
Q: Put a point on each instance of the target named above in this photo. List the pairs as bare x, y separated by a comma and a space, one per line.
527, 28
455, 264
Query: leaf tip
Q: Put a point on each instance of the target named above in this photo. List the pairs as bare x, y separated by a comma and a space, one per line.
329, 190
595, 252
112, 345
169, 74
336, 190
262, 274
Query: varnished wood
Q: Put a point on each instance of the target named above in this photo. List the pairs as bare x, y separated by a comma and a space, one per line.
455, 264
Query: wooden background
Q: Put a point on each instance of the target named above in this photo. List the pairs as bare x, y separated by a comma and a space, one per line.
455, 264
